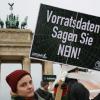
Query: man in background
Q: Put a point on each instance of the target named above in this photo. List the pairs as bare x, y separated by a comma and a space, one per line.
43, 92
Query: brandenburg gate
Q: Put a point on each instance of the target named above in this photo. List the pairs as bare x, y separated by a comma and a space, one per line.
15, 45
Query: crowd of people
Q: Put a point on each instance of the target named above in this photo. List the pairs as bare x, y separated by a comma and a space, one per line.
22, 88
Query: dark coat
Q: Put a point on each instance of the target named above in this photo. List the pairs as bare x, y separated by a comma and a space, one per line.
23, 98
44, 94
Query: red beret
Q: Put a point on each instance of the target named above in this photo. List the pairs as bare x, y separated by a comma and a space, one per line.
13, 78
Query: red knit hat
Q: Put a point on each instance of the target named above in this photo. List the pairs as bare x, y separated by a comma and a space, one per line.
13, 78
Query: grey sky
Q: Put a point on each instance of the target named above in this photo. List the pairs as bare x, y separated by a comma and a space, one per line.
30, 8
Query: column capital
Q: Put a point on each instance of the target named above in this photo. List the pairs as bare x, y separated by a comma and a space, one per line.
48, 68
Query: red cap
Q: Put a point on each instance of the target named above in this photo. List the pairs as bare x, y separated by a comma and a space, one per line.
13, 78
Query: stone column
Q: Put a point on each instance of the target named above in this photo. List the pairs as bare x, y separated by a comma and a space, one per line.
26, 64
48, 68
0, 72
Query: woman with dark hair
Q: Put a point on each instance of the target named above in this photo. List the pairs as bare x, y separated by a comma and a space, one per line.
78, 92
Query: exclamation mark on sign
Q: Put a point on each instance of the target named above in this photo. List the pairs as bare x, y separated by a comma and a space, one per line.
79, 50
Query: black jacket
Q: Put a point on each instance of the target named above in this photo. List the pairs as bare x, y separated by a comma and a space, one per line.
23, 98
44, 94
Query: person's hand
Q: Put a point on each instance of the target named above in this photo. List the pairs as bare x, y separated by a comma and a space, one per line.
60, 82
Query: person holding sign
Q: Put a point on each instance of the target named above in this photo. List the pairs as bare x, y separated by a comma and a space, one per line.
70, 89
